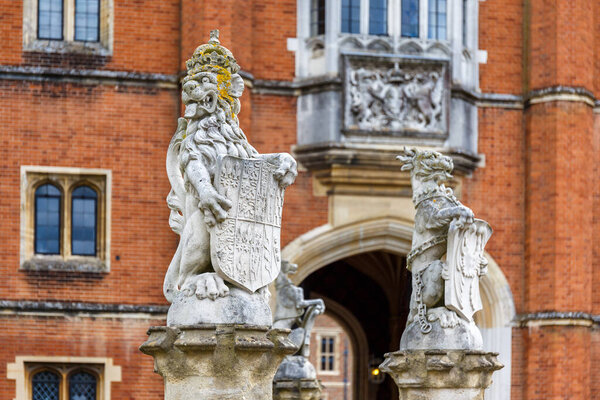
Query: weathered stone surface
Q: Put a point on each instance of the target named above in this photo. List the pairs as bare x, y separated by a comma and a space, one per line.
225, 362
296, 379
226, 199
446, 260
441, 375
239, 307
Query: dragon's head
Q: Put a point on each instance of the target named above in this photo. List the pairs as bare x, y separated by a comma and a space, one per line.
212, 83
427, 165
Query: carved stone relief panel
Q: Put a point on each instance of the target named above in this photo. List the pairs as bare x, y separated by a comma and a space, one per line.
395, 96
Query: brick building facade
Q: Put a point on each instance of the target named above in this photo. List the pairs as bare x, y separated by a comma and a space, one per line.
519, 114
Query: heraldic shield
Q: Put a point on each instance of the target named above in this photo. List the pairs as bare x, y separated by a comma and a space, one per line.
466, 263
245, 248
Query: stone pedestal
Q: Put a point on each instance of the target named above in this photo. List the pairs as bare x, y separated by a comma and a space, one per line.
217, 362
296, 379
441, 374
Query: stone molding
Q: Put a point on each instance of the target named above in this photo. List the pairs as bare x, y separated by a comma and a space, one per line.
20, 306
557, 318
217, 362
441, 374
560, 93
88, 76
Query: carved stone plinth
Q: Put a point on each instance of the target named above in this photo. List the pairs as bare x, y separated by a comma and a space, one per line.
296, 379
441, 375
218, 362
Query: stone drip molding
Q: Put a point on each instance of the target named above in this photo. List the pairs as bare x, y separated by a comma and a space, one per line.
88, 76
62, 307
557, 318
561, 93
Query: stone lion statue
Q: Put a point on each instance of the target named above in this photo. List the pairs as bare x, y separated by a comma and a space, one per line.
209, 130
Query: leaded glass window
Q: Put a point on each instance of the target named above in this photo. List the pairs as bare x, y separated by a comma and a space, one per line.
410, 18
45, 385
50, 19
317, 17
82, 386
87, 20
378, 17
437, 19
84, 221
350, 16
327, 362
47, 219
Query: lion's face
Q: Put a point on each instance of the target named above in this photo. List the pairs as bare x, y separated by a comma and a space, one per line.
200, 96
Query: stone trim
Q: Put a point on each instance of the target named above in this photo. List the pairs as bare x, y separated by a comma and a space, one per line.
557, 318
19, 306
19, 372
560, 93
88, 76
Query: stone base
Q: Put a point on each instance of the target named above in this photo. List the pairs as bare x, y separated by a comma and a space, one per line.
296, 379
464, 336
223, 362
441, 374
238, 307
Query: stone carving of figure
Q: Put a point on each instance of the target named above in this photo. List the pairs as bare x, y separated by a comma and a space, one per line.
446, 259
209, 161
294, 312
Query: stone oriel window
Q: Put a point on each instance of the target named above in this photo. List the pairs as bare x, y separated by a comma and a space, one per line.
65, 215
68, 26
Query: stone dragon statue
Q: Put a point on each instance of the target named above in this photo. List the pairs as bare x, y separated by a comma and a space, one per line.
445, 290
208, 131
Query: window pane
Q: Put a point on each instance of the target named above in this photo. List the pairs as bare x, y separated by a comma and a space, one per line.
45, 386
84, 221
82, 386
330, 365
87, 15
410, 18
47, 219
464, 22
317, 17
350, 16
378, 17
437, 19
50, 19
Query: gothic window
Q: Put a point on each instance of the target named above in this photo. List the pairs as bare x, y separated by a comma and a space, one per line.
378, 17
45, 385
410, 18
87, 20
82, 386
351, 16
50, 19
327, 354
67, 210
83, 225
48, 200
437, 19
317, 17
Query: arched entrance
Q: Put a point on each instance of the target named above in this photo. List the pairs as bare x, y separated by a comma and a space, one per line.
372, 253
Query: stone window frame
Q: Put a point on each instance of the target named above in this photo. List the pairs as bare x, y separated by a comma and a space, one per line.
24, 367
320, 334
31, 43
66, 179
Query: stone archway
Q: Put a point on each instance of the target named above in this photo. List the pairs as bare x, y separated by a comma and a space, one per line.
327, 244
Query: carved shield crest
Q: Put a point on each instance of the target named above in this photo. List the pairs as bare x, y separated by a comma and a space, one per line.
466, 263
245, 248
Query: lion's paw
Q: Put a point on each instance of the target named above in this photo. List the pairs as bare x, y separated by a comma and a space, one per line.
447, 318
208, 285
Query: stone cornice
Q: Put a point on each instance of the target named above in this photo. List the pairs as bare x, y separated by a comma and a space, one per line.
19, 306
88, 76
560, 93
557, 318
